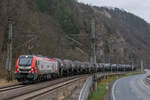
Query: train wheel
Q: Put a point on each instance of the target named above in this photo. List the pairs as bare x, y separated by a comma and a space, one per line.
49, 77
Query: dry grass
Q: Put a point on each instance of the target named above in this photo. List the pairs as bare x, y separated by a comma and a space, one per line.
4, 82
103, 86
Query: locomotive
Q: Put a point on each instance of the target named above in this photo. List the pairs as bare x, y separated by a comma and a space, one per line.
31, 68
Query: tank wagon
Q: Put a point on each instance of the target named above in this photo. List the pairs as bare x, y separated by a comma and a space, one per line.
31, 68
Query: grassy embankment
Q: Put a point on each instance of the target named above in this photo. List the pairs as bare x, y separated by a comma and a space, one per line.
103, 87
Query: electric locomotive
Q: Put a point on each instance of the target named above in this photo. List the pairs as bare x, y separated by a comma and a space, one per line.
31, 68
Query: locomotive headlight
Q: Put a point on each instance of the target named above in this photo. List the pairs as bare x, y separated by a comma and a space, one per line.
32, 69
17, 69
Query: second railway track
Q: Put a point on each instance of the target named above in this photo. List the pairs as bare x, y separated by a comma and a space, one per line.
10, 87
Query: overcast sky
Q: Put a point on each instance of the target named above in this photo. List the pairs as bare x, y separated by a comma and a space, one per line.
138, 7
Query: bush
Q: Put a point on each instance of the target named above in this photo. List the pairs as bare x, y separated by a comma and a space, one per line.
67, 21
64, 15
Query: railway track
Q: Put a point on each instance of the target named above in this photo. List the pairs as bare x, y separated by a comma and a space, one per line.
10, 87
28, 92
38, 93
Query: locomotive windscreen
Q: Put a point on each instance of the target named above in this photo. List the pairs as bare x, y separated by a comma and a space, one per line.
25, 61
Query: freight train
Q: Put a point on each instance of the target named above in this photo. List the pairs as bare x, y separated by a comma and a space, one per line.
31, 68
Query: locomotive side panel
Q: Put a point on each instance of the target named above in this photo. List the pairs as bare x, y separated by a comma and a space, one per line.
47, 67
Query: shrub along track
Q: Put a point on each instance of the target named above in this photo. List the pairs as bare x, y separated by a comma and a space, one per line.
28, 92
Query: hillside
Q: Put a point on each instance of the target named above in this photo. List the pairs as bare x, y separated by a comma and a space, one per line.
133, 30
43, 26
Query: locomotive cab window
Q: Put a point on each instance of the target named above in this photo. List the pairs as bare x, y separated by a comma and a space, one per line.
25, 61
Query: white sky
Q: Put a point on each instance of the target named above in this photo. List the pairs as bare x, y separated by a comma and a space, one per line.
140, 8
